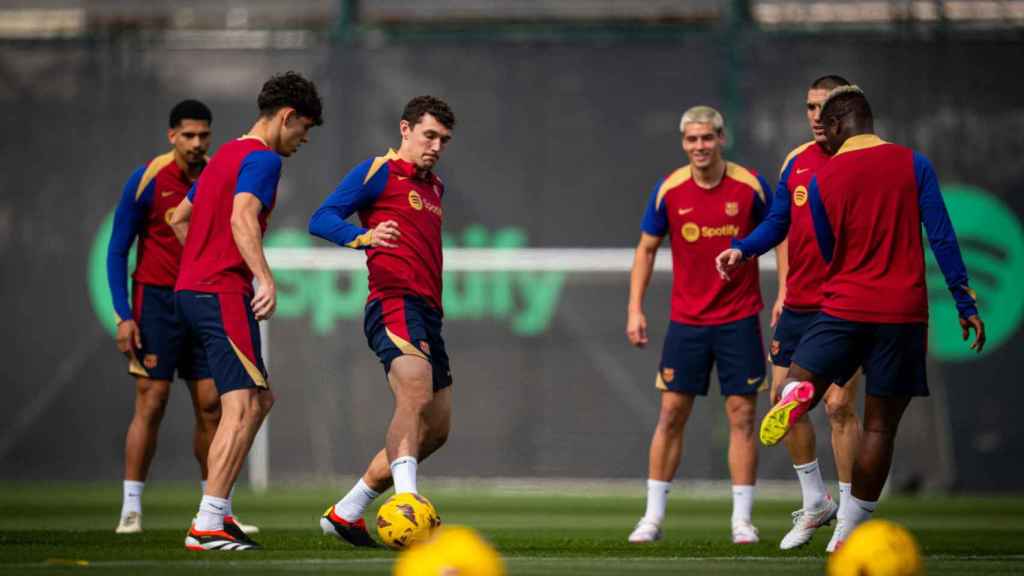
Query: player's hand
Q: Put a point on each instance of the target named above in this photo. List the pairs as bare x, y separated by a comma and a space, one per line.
128, 336
265, 301
385, 234
636, 329
979, 332
777, 311
727, 262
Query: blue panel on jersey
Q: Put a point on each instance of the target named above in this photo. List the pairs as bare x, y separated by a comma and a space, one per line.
352, 194
941, 235
258, 175
773, 228
822, 227
655, 220
128, 219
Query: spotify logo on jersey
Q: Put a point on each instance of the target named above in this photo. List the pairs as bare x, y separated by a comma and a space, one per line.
992, 242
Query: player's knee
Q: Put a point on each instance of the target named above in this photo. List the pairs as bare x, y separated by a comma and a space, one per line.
266, 401
153, 400
840, 411
672, 418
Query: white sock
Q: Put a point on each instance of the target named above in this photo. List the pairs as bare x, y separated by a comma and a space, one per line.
657, 500
844, 492
403, 471
211, 513
352, 506
131, 500
742, 502
856, 511
811, 485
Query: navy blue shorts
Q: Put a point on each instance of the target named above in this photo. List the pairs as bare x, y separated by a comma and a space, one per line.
788, 331
893, 355
225, 325
407, 325
165, 345
690, 351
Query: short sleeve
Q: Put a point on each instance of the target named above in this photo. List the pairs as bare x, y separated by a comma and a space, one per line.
258, 175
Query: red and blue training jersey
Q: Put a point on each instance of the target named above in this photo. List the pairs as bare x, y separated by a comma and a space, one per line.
389, 188
144, 211
211, 261
790, 214
701, 223
868, 204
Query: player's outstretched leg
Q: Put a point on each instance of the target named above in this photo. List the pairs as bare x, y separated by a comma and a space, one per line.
871, 466
818, 508
140, 445
665, 452
344, 520
796, 400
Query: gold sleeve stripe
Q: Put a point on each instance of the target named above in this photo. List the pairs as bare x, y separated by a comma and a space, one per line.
250, 368
378, 162
674, 179
362, 240
741, 174
796, 151
155, 165
405, 346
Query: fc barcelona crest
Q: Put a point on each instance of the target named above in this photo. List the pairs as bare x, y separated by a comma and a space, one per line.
732, 208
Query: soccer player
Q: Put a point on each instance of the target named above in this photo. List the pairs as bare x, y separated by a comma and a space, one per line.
701, 206
801, 274
148, 330
214, 293
868, 204
398, 198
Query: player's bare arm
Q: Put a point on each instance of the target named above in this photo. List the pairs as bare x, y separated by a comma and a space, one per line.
179, 219
639, 278
245, 228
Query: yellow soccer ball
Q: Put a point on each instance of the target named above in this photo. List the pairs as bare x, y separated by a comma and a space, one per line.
453, 550
877, 548
406, 519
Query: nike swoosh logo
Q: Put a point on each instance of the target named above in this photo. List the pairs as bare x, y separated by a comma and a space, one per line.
402, 177
752, 381
801, 170
221, 508
685, 211
166, 193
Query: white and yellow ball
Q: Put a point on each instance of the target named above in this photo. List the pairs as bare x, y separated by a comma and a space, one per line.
406, 519
452, 551
877, 548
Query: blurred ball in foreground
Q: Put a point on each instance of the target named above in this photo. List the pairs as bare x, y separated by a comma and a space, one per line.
452, 551
877, 548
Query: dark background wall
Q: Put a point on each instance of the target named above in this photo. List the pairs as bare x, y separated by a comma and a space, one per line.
558, 144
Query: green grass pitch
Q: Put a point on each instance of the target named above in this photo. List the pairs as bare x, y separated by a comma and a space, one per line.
68, 529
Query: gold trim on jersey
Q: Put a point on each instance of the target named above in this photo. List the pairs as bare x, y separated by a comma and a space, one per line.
860, 142
741, 174
155, 166
378, 162
796, 152
674, 179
